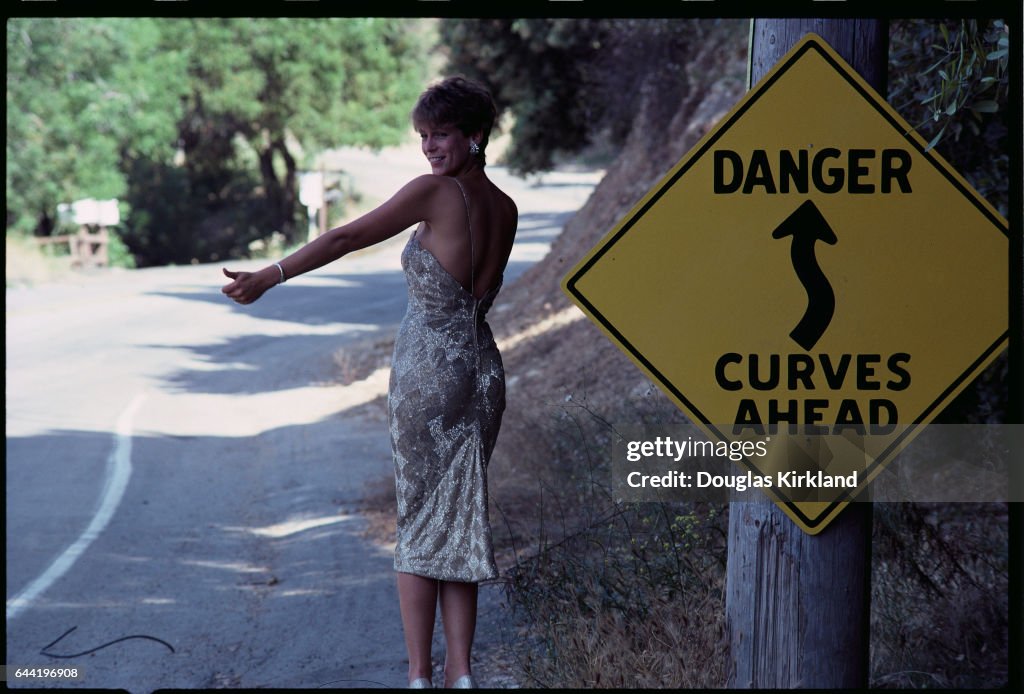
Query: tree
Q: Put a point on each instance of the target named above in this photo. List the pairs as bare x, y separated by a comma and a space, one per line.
200, 124
572, 83
81, 95
281, 86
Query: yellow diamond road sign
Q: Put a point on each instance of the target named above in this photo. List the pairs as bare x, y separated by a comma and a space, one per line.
809, 262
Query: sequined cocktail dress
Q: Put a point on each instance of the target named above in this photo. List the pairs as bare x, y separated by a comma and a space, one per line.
445, 401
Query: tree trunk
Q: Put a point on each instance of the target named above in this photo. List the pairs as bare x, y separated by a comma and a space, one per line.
798, 605
289, 228
46, 224
280, 195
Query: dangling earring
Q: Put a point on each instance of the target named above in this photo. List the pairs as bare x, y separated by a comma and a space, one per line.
474, 148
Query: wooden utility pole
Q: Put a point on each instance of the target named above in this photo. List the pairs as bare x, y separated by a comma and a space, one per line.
798, 605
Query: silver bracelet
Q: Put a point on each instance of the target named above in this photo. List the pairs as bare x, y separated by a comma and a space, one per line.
281, 270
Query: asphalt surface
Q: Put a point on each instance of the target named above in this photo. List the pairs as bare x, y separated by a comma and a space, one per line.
183, 473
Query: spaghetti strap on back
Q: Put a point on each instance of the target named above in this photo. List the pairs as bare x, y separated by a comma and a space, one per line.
469, 230
445, 402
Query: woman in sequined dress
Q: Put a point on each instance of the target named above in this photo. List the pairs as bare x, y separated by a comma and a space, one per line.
447, 389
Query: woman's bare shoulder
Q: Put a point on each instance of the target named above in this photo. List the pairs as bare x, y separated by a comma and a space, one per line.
429, 192
505, 200
426, 183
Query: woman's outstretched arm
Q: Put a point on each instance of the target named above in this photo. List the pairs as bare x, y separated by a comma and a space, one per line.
414, 203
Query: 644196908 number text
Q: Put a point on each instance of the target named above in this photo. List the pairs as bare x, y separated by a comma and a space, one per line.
39, 673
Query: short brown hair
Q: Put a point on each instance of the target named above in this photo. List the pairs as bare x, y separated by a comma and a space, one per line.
459, 102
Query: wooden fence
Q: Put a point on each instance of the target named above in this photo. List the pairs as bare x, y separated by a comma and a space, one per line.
88, 249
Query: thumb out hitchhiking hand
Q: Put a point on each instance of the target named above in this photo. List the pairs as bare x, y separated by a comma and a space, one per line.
245, 287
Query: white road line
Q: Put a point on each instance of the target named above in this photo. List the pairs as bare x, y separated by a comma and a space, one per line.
119, 470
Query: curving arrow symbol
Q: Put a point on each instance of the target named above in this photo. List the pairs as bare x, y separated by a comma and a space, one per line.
807, 225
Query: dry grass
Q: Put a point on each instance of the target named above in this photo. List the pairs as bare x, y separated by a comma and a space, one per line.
630, 595
378, 507
603, 594
668, 644
940, 596
28, 264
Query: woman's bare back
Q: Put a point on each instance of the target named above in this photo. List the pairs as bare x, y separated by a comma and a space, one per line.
492, 220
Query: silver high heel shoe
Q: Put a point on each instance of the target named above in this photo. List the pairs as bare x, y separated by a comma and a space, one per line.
421, 683
464, 682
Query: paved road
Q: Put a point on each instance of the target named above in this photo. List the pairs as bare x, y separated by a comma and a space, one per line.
183, 472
